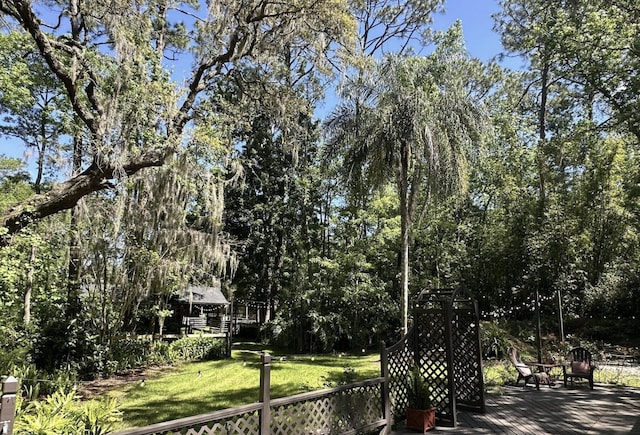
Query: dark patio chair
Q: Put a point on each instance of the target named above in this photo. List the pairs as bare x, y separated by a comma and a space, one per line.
580, 366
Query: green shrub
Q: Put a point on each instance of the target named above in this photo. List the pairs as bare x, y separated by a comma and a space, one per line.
17, 346
129, 353
133, 353
161, 354
63, 413
98, 417
198, 348
494, 340
418, 390
35, 383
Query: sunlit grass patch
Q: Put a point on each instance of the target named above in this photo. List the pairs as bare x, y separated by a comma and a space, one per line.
498, 373
200, 387
617, 376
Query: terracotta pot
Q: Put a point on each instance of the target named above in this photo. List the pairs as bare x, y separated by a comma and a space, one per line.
421, 419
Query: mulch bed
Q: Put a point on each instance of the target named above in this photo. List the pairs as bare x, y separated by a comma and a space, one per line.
92, 389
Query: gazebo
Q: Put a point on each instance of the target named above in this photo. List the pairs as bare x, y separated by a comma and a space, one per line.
204, 307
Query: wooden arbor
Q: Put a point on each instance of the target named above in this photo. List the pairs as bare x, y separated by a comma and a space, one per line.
444, 343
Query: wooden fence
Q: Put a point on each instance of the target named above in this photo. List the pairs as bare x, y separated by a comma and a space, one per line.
361, 407
8, 405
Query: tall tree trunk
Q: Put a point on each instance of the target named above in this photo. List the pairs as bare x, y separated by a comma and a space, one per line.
408, 187
543, 273
542, 135
29, 288
73, 270
42, 148
405, 224
72, 309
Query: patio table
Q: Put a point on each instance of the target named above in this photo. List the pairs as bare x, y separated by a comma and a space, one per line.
546, 368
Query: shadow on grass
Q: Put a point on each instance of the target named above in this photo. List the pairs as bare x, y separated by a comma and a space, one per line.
161, 409
188, 391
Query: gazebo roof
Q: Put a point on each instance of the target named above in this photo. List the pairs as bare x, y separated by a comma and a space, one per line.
203, 296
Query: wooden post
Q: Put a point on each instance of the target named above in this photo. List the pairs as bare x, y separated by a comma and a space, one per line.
386, 404
230, 325
8, 406
478, 351
265, 394
449, 323
560, 316
538, 330
229, 328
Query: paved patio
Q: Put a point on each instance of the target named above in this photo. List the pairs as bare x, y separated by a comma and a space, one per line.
557, 410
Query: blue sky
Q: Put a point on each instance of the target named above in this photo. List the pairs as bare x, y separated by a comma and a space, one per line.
477, 24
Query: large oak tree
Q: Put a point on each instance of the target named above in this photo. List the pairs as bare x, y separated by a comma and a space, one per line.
135, 74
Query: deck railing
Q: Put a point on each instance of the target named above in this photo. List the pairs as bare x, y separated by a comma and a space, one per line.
348, 409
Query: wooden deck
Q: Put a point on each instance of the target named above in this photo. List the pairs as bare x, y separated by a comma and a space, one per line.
557, 410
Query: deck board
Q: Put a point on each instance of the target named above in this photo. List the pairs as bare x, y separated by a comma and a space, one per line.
557, 410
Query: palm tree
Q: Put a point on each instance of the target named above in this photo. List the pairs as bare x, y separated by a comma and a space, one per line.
413, 127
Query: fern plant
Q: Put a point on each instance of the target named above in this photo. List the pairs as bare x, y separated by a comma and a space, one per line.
418, 390
63, 413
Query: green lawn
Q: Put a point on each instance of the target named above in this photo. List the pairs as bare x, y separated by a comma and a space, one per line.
181, 391
195, 388
617, 376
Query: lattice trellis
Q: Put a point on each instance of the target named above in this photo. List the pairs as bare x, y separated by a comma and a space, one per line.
399, 361
467, 366
431, 343
444, 343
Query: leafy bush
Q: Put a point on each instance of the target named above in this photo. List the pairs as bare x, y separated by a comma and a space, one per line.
125, 354
130, 353
63, 413
161, 354
17, 346
35, 383
198, 348
494, 340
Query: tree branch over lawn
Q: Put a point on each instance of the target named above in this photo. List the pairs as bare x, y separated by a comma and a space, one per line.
134, 114
67, 194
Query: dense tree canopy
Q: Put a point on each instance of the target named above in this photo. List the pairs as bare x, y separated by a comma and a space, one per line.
111, 61
187, 140
415, 129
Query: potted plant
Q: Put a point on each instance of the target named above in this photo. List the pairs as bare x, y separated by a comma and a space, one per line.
421, 414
